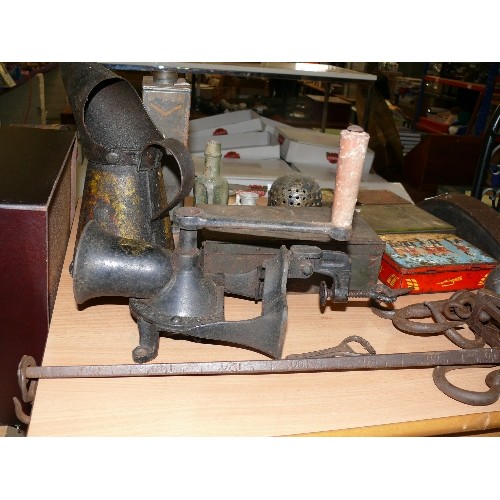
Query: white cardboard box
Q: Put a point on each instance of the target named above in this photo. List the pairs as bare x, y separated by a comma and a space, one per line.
305, 146
325, 177
249, 146
243, 127
270, 125
235, 122
211, 123
248, 173
325, 174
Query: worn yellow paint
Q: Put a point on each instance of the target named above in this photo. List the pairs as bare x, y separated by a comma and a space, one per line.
133, 247
127, 210
120, 194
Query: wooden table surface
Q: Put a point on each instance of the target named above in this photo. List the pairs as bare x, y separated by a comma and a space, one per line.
386, 402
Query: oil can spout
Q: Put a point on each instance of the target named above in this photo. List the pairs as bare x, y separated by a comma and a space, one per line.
108, 111
124, 188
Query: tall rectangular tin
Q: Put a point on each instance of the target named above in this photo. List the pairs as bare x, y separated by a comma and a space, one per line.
167, 100
168, 104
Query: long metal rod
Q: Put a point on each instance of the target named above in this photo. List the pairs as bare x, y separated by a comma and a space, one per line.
360, 362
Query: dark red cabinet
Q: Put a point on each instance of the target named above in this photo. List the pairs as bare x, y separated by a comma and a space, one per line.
37, 203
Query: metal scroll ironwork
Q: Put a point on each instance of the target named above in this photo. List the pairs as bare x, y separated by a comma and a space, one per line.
479, 310
474, 398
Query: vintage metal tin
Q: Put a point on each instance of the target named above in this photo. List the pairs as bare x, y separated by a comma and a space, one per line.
402, 218
433, 262
167, 100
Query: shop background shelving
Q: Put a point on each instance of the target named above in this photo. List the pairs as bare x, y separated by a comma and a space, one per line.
439, 93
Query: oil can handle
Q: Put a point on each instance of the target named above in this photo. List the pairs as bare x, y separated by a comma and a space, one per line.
186, 167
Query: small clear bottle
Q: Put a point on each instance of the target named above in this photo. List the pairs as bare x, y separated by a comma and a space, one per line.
211, 187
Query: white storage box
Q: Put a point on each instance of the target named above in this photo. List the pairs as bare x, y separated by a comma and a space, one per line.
299, 145
325, 177
249, 146
248, 173
244, 127
222, 120
270, 125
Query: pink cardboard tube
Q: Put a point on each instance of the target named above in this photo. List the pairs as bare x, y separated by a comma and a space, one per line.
353, 147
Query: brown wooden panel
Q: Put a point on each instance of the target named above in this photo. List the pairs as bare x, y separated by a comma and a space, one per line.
442, 159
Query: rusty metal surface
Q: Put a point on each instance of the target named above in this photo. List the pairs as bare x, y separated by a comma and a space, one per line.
295, 190
297, 223
167, 99
364, 248
171, 292
174, 293
343, 349
485, 317
181, 292
339, 358
480, 311
185, 313
139, 268
124, 189
474, 398
362, 233
28, 388
109, 114
469, 357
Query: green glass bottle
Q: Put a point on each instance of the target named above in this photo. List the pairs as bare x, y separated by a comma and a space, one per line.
211, 187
